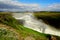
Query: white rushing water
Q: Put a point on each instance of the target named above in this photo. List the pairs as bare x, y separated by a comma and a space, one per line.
37, 25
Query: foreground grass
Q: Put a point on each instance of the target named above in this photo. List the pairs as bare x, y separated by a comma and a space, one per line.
7, 35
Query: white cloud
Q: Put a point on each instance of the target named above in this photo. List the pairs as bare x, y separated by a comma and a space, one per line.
21, 5
54, 7
16, 6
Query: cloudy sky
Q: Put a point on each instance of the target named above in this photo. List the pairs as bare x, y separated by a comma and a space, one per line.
29, 5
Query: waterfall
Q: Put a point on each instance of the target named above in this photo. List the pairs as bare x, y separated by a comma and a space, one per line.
33, 23
37, 25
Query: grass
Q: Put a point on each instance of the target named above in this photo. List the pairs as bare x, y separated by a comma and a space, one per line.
8, 20
51, 18
7, 35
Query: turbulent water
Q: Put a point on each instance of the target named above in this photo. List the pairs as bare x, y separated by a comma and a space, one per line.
33, 23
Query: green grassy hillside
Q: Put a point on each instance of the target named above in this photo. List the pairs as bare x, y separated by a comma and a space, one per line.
10, 29
51, 18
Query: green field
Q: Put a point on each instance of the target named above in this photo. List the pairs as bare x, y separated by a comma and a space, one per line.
51, 18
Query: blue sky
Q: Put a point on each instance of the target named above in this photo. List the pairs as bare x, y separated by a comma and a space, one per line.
30, 5
40, 2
